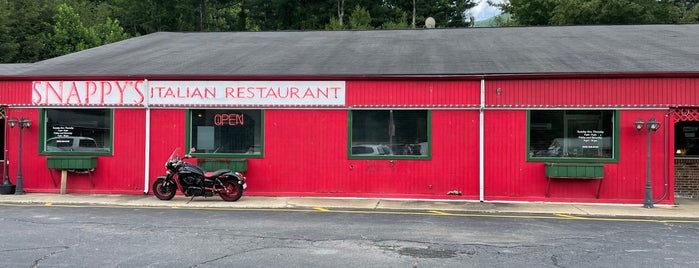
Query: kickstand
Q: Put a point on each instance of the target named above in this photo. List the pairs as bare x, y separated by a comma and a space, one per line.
190, 200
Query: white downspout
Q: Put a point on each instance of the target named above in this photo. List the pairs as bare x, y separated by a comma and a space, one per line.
146, 182
481, 144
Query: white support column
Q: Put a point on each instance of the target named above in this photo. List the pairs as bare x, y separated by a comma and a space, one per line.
481, 146
146, 181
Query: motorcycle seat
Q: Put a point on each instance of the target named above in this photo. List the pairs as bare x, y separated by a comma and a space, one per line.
213, 174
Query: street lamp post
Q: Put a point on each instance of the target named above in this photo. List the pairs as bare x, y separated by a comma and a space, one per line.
6, 187
22, 123
651, 125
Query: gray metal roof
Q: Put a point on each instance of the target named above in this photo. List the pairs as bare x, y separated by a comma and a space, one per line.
467, 51
13, 68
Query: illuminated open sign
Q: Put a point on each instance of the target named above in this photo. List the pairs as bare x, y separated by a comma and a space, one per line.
229, 119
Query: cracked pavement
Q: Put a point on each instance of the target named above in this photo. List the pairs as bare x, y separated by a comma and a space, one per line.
51, 236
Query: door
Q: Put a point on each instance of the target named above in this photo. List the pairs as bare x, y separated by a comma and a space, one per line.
686, 130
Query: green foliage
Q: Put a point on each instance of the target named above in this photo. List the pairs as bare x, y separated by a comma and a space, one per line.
402, 23
360, 19
692, 15
70, 34
35, 30
447, 13
592, 12
497, 21
39, 29
8, 46
23, 28
109, 32
334, 25
529, 12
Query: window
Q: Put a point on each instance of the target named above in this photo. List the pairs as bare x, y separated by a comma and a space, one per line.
687, 139
573, 135
225, 133
389, 133
77, 131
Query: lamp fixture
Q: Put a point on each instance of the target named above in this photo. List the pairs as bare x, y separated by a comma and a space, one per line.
23, 122
651, 126
639, 124
12, 122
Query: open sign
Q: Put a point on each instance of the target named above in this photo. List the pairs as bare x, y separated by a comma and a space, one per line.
229, 119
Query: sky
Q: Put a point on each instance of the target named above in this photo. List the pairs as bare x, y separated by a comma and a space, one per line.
483, 11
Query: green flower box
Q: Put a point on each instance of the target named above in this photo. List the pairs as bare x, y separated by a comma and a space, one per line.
574, 170
72, 162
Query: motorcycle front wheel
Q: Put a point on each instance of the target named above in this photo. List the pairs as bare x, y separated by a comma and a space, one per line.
232, 191
162, 191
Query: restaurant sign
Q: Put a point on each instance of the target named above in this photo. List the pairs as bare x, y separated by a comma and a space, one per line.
164, 93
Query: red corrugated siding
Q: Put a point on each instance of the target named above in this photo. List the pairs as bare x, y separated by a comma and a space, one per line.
455, 163
121, 173
15, 92
167, 132
306, 150
126, 170
34, 171
621, 92
504, 153
306, 154
508, 176
413, 93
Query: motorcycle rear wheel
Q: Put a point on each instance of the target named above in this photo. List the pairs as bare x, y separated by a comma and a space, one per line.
162, 191
232, 191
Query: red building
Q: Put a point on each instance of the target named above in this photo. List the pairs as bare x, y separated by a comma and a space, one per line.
526, 114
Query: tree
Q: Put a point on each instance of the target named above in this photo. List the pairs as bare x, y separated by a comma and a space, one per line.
9, 48
572, 12
577, 12
69, 33
414, 13
109, 32
360, 19
636, 12
691, 15
402, 23
223, 15
528, 12
39, 29
447, 13
24, 35
340, 12
334, 24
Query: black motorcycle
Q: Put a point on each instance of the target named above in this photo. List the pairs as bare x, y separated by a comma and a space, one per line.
193, 181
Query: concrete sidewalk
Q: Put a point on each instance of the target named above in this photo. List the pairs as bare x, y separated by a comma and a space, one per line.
686, 208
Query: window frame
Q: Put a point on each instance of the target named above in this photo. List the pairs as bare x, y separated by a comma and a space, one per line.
615, 145
428, 156
188, 137
681, 153
43, 129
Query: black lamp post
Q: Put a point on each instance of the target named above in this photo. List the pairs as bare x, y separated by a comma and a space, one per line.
651, 125
6, 187
22, 123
